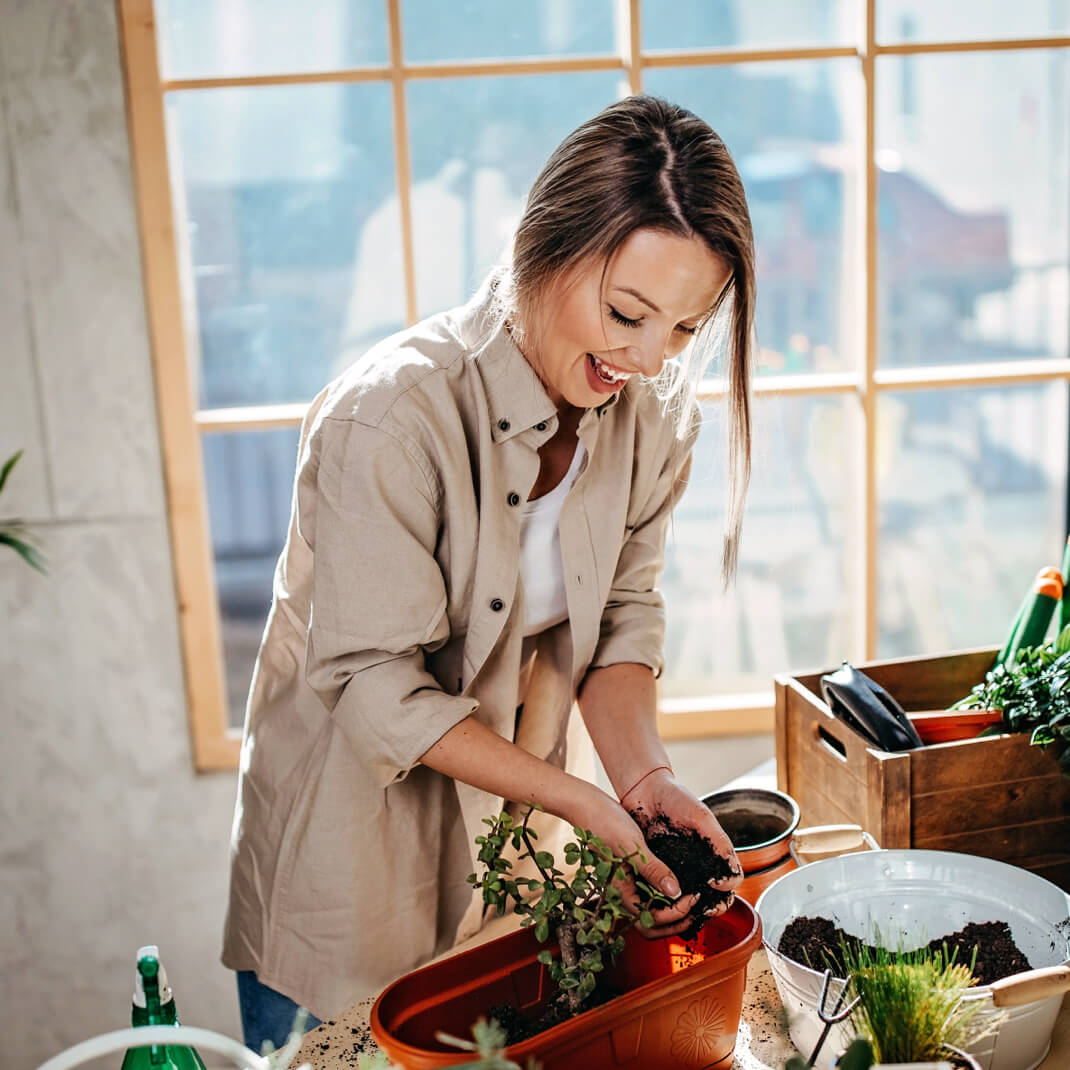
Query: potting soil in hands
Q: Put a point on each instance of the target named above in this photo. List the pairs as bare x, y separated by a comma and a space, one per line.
692, 860
815, 942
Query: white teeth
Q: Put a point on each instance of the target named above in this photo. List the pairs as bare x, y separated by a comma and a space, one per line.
606, 373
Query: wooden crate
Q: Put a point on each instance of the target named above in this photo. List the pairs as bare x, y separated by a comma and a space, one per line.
996, 796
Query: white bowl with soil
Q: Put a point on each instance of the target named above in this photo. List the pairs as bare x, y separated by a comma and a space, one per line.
907, 899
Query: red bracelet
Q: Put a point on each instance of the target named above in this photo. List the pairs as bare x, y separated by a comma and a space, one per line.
642, 778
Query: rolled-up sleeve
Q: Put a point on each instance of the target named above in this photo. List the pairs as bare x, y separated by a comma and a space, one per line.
632, 627
369, 508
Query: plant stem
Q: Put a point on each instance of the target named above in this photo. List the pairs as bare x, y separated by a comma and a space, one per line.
531, 849
566, 939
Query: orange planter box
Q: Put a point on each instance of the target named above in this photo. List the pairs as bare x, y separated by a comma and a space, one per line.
680, 1005
994, 796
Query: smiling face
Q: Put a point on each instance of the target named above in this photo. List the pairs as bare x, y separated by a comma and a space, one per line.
596, 334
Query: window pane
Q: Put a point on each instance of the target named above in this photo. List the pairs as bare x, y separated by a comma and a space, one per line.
689, 24
480, 29
793, 130
279, 185
972, 493
248, 479
788, 608
218, 38
477, 145
952, 20
973, 206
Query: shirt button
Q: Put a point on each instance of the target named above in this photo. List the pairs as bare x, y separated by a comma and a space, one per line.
503, 425
514, 498
541, 426
497, 605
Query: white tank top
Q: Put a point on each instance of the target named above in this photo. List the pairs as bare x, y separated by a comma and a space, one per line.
541, 568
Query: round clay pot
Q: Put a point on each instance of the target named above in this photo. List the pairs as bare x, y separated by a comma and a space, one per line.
760, 823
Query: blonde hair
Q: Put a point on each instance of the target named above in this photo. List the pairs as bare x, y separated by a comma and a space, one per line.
646, 163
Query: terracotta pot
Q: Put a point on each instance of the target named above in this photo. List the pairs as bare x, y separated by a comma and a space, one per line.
949, 726
760, 823
680, 1005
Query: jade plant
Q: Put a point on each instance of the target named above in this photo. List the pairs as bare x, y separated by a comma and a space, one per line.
584, 911
1034, 695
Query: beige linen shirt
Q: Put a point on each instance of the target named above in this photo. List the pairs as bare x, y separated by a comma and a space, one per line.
397, 613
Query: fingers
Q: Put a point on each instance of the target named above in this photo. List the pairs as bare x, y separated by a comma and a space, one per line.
668, 922
732, 881
657, 874
674, 912
659, 932
719, 907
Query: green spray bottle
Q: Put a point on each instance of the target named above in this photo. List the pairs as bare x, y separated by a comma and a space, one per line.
154, 1004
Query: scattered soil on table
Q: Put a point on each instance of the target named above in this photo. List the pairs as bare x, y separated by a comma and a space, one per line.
692, 860
816, 942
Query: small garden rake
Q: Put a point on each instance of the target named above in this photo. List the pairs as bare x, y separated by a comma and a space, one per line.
830, 1017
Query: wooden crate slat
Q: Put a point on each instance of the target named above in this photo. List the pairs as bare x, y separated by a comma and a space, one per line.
983, 806
986, 760
1037, 839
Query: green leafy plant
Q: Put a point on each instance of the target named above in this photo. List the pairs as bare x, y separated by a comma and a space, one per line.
1033, 694
13, 532
585, 912
910, 1007
488, 1044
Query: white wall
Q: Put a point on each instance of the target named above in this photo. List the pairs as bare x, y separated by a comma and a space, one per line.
108, 839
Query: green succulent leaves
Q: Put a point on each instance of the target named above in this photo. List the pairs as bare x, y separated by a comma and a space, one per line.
583, 910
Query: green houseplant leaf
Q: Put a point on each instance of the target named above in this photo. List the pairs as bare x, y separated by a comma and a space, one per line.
1033, 693
13, 532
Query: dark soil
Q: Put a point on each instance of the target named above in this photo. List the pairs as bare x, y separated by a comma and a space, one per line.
518, 1028
692, 860
748, 829
816, 942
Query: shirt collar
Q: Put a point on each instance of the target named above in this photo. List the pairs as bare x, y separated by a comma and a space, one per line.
518, 401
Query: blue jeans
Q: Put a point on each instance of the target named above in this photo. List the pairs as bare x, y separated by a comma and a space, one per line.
265, 1013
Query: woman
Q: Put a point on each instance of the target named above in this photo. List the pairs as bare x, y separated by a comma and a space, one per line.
478, 527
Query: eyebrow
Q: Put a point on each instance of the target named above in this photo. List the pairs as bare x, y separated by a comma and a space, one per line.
650, 304
635, 293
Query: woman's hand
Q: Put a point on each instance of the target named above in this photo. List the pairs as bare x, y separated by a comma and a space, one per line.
608, 820
660, 797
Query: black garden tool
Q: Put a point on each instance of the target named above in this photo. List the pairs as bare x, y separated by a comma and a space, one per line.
868, 709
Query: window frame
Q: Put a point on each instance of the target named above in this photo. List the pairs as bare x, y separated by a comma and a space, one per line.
215, 745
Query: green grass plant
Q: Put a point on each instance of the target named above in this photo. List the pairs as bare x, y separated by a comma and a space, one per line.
911, 1007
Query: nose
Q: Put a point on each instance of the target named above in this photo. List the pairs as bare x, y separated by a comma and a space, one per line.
650, 356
